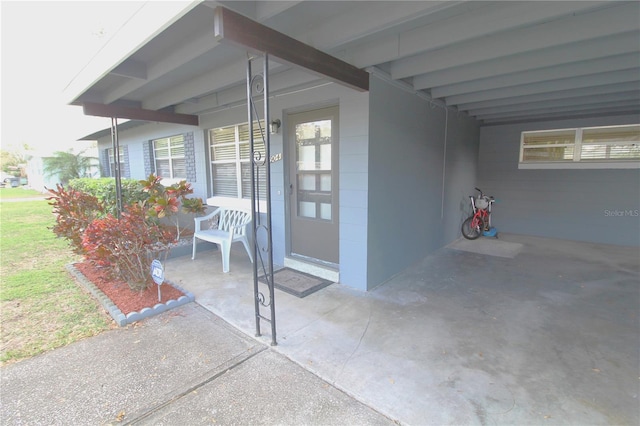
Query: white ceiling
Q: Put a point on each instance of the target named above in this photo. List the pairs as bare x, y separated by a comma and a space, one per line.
503, 61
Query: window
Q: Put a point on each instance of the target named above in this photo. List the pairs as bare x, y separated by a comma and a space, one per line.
112, 161
229, 151
169, 156
588, 147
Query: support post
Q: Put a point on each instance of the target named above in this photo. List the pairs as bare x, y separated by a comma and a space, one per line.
258, 86
116, 161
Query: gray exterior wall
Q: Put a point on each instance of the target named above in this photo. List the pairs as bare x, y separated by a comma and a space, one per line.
572, 204
414, 188
136, 143
405, 167
353, 146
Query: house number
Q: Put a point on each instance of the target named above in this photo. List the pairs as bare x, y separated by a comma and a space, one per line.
276, 157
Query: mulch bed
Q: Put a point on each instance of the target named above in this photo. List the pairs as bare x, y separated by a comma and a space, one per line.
121, 295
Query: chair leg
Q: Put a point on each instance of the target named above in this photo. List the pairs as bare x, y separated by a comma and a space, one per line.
193, 255
225, 247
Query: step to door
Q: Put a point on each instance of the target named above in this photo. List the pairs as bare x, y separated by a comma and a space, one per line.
314, 269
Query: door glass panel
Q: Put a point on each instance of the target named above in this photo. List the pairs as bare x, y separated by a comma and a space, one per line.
307, 157
307, 209
313, 168
325, 211
325, 183
307, 182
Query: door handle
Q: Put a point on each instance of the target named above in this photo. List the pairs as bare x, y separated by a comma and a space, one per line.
290, 189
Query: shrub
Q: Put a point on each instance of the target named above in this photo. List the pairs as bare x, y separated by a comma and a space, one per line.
126, 246
104, 189
74, 211
165, 202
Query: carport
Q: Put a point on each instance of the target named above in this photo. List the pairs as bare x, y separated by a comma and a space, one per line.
541, 331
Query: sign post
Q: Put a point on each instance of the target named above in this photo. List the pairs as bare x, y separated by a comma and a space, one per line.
157, 273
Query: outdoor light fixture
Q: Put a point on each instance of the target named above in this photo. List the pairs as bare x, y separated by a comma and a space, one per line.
274, 126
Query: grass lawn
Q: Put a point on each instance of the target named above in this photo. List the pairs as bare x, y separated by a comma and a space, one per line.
41, 306
11, 193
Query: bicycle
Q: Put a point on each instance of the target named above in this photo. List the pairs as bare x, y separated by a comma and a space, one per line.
480, 222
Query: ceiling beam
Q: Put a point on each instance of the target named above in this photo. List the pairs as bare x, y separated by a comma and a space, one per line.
587, 81
113, 111
556, 116
478, 20
239, 30
565, 54
173, 59
131, 69
565, 102
279, 81
587, 26
601, 65
562, 113
549, 96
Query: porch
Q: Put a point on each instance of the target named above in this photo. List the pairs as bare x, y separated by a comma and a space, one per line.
544, 331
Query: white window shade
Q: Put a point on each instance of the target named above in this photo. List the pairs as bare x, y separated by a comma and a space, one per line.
230, 155
593, 147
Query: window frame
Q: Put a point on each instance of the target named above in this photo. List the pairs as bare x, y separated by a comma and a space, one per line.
170, 157
577, 162
240, 198
111, 161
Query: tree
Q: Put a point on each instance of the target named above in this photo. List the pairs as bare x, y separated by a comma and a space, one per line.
14, 162
67, 165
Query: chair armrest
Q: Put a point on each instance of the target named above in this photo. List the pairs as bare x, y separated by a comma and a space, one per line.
198, 220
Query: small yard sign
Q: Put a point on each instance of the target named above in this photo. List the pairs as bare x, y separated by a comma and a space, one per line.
157, 273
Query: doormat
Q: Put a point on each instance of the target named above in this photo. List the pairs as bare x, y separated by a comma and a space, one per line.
297, 283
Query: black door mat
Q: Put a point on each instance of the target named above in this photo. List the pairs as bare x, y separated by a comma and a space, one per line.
297, 283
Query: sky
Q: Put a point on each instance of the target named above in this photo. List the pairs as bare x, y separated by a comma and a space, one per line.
43, 45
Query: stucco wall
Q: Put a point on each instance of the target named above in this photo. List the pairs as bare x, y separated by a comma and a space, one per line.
568, 204
411, 212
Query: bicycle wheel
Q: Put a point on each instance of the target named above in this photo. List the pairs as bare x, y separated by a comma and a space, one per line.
471, 232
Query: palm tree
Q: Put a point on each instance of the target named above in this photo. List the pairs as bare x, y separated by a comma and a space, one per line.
67, 165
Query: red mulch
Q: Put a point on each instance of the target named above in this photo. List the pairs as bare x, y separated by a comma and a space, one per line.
121, 295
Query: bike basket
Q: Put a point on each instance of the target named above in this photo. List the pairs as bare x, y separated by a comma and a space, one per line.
482, 203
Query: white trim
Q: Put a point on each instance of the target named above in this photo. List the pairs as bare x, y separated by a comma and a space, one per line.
581, 165
237, 203
577, 162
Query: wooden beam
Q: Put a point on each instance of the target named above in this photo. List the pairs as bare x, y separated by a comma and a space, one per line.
115, 111
232, 27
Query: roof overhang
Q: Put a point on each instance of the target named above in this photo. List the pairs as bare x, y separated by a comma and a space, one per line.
500, 62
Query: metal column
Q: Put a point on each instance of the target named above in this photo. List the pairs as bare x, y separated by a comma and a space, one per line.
116, 160
258, 87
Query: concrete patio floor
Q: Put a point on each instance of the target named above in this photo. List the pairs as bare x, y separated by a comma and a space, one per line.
533, 331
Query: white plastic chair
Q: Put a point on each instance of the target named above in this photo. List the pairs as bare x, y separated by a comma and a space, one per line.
231, 228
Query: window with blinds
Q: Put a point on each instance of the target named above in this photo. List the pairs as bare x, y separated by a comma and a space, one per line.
230, 154
608, 145
169, 157
112, 160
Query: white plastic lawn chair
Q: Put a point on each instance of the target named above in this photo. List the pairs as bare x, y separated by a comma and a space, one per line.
232, 227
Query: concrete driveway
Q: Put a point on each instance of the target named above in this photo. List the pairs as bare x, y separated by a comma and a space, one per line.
521, 330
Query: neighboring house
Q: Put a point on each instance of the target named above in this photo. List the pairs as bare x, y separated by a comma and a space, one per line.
39, 180
365, 183
36, 177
